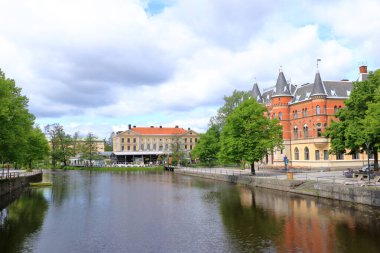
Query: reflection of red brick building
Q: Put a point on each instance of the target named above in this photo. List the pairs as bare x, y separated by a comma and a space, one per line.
304, 112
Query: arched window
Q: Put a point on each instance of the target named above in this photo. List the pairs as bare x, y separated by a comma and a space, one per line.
295, 132
306, 153
296, 154
305, 131
335, 109
318, 110
305, 112
280, 115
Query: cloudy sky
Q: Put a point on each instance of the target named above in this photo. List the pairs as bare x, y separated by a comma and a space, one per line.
99, 65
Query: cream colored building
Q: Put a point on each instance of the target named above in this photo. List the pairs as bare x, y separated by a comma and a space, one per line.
146, 144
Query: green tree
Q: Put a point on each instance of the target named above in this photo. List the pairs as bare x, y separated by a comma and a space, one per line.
230, 103
177, 150
61, 148
37, 148
357, 124
108, 143
248, 135
16, 122
208, 146
90, 150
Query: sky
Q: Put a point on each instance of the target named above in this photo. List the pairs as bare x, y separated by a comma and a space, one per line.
99, 65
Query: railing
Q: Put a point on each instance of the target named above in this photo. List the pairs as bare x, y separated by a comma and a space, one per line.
305, 176
8, 175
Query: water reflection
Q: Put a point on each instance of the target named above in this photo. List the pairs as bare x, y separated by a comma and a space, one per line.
21, 219
165, 212
266, 220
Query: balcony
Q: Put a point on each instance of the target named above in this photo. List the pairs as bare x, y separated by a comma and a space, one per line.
321, 142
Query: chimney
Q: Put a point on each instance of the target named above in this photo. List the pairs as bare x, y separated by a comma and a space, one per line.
151, 126
134, 126
176, 126
188, 129
363, 69
160, 126
129, 126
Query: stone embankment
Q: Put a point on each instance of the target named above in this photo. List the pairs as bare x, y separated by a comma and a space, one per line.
15, 181
334, 188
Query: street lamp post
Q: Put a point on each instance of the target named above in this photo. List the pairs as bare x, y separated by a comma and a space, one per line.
368, 168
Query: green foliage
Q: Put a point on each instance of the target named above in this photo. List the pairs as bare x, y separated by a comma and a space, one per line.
358, 122
230, 103
90, 150
208, 146
20, 142
248, 135
61, 144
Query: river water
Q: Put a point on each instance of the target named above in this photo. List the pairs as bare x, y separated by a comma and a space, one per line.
164, 212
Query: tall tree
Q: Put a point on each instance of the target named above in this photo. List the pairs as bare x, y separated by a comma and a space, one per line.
37, 148
177, 150
248, 135
355, 127
60, 144
230, 103
15, 121
208, 146
90, 149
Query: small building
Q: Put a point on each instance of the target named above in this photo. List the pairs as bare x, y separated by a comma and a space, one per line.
150, 145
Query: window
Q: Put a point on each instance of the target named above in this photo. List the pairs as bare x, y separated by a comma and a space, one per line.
191, 140
318, 110
280, 115
185, 139
142, 147
355, 156
166, 146
305, 112
325, 154
148, 146
128, 140
294, 114
134, 140
122, 148
335, 109
134, 148
339, 156
306, 153
191, 147
319, 132
129, 148
196, 140
305, 131
185, 147
154, 146
296, 154
295, 132
122, 140
325, 109
316, 154
160, 148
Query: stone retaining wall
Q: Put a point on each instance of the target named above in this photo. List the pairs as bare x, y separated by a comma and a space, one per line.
341, 192
9, 185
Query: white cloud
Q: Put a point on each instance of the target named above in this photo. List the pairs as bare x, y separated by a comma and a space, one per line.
101, 64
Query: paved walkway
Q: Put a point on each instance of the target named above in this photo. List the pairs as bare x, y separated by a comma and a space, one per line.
320, 176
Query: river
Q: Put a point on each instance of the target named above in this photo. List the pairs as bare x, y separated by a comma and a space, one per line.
164, 212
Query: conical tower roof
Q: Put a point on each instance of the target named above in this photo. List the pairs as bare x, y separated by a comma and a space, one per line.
282, 87
256, 93
318, 87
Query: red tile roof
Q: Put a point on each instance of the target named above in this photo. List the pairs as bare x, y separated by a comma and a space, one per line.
157, 130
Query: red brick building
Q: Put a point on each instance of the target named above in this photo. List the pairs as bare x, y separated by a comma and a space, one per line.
304, 112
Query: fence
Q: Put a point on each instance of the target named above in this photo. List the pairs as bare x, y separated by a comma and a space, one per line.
16, 174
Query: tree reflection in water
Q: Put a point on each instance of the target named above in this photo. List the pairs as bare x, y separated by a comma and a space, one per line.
265, 220
20, 219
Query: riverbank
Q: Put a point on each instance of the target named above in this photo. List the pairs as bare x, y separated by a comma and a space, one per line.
17, 181
322, 186
121, 169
